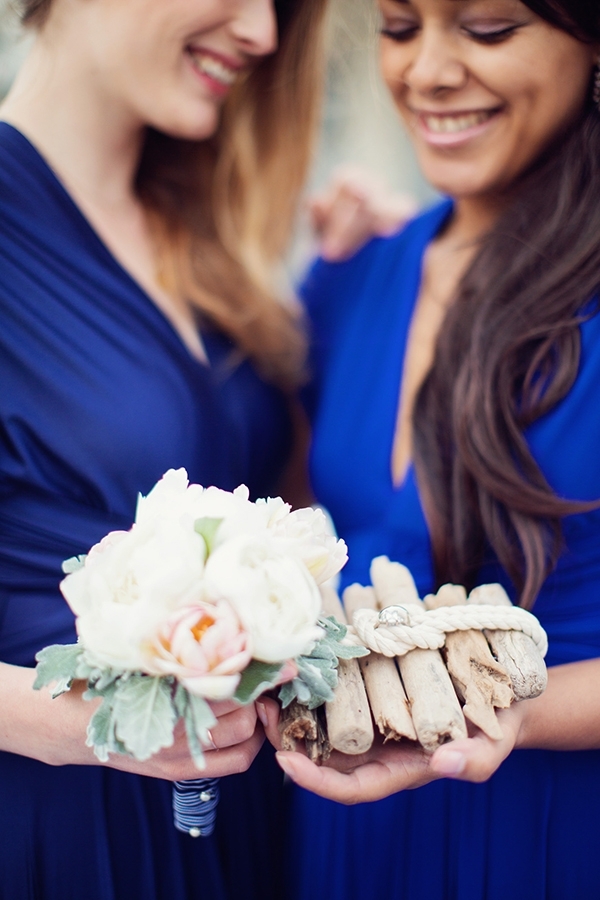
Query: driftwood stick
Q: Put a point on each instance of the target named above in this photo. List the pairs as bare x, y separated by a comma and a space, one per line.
389, 704
319, 750
515, 651
435, 710
297, 723
300, 724
349, 723
480, 681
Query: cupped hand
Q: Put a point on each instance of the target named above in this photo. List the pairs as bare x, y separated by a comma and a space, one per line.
392, 767
354, 208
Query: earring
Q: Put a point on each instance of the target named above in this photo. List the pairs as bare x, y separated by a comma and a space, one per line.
596, 94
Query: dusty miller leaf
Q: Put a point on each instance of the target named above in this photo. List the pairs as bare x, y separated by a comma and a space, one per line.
198, 718
144, 714
257, 678
74, 564
335, 633
57, 664
101, 728
317, 671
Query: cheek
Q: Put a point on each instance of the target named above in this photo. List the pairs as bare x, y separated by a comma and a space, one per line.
392, 64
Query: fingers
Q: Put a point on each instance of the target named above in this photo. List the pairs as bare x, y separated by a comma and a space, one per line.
383, 774
477, 758
268, 713
233, 760
235, 727
345, 226
389, 768
355, 208
175, 763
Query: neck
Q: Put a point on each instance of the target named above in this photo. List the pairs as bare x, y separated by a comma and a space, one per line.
473, 217
90, 139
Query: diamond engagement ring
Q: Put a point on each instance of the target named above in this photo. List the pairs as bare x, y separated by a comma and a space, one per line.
393, 615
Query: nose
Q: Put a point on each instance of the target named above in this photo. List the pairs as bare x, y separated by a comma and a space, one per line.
254, 26
435, 65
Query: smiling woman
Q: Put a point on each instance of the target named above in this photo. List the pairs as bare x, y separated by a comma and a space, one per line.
469, 434
151, 153
170, 76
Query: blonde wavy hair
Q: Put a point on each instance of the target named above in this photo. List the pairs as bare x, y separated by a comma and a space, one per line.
222, 210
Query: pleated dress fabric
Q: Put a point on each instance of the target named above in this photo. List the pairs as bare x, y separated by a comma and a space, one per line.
533, 831
98, 398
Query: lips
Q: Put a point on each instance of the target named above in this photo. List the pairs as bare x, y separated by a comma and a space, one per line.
213, 68
453, 129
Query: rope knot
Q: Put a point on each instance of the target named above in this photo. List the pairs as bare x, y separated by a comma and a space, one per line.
397, 630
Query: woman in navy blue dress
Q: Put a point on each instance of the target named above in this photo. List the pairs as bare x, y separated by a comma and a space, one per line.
140, 151
456, 429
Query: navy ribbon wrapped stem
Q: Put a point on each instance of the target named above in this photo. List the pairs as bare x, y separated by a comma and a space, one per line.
195, 806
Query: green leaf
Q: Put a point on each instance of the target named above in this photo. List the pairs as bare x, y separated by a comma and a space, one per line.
207, 528
198, 718
287, 693
57, 664
257, 678
144, 714
104, 678
314, 684
101, 728
317, 671
74, 564
335, 633
295, 690
181, 700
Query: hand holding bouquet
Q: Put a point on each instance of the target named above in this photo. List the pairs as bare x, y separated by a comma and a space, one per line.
206, 598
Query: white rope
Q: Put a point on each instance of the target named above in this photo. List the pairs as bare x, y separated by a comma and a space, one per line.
426, 629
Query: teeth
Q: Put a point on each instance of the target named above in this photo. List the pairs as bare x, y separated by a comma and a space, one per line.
214, 68
454, 124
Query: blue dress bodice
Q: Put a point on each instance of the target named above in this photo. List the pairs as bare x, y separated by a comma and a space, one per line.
98, 398
361, 312
532, 831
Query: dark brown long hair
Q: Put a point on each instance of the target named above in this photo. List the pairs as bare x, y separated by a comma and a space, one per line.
524, 297
222, 210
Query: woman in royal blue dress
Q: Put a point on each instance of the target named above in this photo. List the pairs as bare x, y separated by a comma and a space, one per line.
146, 149
456, 429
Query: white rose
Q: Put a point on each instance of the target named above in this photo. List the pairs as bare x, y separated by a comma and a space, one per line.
129, 585
273, 593
308, 534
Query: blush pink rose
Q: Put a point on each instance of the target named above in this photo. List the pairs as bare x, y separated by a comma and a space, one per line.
204, 646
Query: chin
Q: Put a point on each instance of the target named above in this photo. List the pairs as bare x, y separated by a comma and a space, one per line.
461, 181
189, 125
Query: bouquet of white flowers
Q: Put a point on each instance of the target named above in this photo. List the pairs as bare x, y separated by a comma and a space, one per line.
205, 598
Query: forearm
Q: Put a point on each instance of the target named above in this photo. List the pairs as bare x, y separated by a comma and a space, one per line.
33, 724
567, 715
54, 731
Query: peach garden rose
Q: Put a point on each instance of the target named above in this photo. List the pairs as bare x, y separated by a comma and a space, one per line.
204, 647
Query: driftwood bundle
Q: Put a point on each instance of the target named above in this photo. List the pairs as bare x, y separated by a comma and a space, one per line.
424, 695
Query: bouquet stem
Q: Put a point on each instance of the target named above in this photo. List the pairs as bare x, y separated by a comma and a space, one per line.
195, 806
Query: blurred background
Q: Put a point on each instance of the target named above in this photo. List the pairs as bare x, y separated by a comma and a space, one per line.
360, 125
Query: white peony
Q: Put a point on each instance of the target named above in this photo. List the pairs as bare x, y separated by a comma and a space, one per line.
174, 498
130, 583
273, 593
308, 534
265, 560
